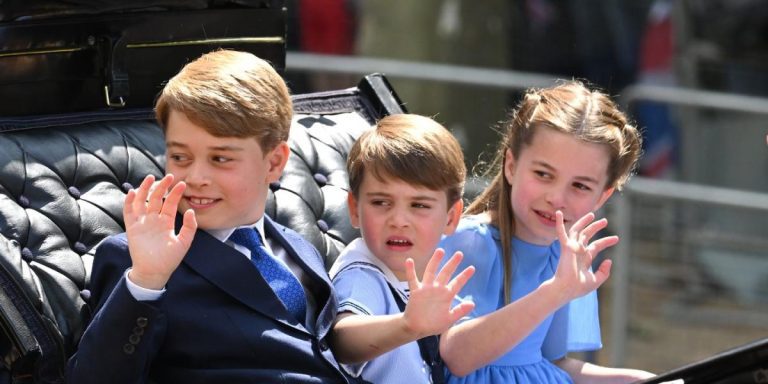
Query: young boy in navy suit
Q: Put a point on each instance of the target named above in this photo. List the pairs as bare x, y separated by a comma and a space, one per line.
203, 287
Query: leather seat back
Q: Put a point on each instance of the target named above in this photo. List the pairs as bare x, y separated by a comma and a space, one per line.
63, 180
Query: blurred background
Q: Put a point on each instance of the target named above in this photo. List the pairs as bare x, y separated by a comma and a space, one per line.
690, 276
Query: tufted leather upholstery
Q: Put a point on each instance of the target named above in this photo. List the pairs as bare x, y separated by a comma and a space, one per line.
63, 181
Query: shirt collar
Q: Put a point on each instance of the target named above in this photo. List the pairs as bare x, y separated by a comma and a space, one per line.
224, 234
357, 252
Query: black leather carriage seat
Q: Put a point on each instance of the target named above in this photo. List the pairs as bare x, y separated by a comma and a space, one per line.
63, 180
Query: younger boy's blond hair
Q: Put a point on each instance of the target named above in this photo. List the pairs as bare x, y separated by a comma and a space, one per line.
411, 148
230, 94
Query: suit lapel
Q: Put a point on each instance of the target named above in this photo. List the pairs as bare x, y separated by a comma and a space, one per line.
312, 264
233, 273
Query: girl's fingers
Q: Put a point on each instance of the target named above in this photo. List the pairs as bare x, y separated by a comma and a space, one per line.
562, 235
460, 280
581, 223
432, 264
586, 235
449, 268
599, 245
603, 272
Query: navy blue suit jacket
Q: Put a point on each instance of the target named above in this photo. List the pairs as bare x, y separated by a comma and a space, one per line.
218, 321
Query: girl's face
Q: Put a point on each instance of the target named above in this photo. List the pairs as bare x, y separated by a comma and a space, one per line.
556, 171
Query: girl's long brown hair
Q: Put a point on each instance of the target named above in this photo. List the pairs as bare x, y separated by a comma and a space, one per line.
569, 107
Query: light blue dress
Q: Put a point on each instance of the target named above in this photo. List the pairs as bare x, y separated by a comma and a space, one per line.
574, 327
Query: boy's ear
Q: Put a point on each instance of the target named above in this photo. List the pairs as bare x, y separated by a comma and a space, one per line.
277, 159
354, 214
604, 197
454, 215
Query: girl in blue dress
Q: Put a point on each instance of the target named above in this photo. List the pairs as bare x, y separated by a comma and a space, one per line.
529, 237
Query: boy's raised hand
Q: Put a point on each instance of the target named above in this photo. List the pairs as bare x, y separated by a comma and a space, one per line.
574, 271
429, 311
156, 250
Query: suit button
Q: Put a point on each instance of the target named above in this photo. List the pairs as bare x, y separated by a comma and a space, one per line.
134, 339
129, 348
323, 345
142, 322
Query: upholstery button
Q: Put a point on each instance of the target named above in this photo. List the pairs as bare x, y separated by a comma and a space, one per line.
85, 294
320, 179
23, 201
142, 322
26, 254
129, 348
134, 339
80, 248
274, 186
74, 192
323, 345
127, 187
322, 225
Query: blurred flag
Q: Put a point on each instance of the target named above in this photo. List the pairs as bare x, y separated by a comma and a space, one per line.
656, 67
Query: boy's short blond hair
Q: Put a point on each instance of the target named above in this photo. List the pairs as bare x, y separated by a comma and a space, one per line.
411, 148
230, 94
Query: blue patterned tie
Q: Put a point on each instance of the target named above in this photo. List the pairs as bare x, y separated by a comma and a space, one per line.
282, 281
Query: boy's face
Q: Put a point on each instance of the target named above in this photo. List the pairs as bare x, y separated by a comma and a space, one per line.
227, 178
399, 221
556, 171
